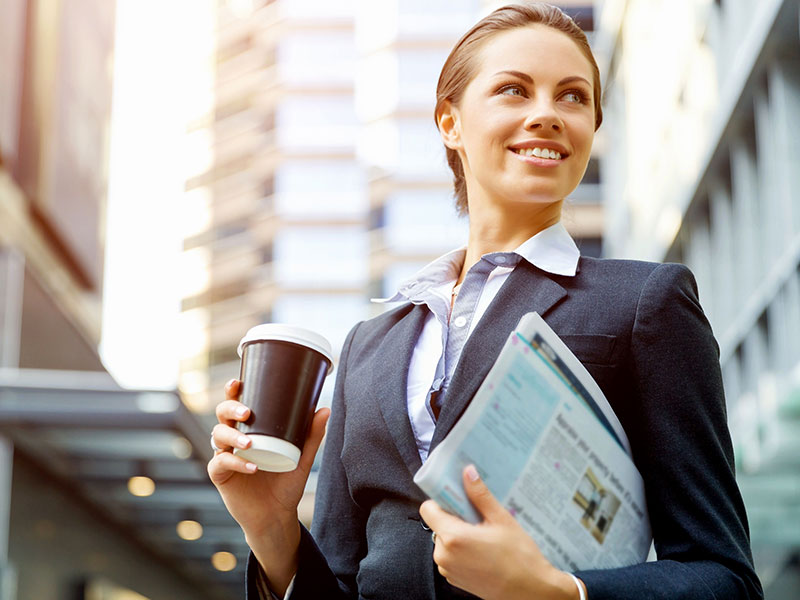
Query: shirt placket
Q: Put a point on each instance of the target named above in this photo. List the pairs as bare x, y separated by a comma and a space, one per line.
461, 320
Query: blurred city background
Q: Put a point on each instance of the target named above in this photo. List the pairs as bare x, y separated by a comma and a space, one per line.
173, 172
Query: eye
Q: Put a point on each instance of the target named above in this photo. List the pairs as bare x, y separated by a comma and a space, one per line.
576, 96
511, 90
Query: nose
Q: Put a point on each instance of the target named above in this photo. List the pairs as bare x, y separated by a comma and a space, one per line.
543, 116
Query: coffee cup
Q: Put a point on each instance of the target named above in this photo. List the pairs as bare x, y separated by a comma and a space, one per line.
282, 371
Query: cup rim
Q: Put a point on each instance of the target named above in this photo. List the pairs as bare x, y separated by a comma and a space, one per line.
288, 333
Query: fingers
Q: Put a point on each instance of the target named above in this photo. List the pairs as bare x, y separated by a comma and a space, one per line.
227, 438
438, 519
232, 389
229, 412
481, 497
314, 439
225, 464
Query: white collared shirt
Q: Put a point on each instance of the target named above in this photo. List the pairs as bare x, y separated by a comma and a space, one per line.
551, 250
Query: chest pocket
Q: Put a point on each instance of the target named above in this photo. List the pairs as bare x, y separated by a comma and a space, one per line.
593, 349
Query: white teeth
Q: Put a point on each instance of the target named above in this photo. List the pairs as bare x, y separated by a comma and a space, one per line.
540, 153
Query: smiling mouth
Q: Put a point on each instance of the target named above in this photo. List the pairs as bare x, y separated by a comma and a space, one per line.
545, 153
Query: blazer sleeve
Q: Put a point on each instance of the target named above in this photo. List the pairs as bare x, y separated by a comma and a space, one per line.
328, 561
683, 450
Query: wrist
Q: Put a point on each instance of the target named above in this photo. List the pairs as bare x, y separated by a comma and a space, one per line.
569, 587
579, 591
275, 528
276, 550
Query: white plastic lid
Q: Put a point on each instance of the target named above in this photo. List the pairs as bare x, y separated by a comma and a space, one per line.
288, 333
270, 453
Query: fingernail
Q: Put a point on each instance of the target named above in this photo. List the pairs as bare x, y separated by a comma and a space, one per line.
251, 467
241, 441
230, 383
241, 411
472, 473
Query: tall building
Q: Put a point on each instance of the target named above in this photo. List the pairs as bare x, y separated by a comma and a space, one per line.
285, 237
326, 183
94, 479
700, 167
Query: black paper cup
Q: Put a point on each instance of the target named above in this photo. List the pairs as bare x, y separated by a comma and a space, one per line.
282, 371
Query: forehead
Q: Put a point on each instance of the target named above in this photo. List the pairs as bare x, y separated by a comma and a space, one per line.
532, 49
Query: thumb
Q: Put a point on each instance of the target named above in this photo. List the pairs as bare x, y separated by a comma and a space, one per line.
481, 497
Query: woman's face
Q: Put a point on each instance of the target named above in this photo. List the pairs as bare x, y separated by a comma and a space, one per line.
525, 124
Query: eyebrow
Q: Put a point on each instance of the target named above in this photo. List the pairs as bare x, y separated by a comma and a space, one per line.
528, 79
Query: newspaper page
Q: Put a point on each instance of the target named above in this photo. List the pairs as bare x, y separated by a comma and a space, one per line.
549, 447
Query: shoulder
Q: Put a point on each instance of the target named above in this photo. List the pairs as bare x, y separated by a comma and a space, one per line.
633, 269
369, 333
383, 322
636, 276
662, 299
622, 291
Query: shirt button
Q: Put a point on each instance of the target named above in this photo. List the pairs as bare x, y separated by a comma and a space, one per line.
460, 321
500, 259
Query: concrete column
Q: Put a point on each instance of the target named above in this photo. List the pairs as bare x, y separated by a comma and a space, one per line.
12, 275
8, 578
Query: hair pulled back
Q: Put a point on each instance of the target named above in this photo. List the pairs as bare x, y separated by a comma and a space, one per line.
459, 68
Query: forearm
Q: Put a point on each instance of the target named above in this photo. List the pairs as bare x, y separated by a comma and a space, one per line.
276, 551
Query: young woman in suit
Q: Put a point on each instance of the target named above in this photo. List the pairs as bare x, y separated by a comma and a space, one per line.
518, 103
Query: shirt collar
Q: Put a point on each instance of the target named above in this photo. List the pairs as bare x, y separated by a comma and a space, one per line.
552, 250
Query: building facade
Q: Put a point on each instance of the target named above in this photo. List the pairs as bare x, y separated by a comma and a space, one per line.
75, 448
326, 183
700, 167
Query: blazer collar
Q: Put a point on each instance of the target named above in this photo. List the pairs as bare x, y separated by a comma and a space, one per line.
527, 289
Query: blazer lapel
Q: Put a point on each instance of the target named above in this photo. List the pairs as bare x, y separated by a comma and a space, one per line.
390, 380
527, 289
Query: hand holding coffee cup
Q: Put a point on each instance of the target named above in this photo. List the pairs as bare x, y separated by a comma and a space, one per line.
263, 503
282, 372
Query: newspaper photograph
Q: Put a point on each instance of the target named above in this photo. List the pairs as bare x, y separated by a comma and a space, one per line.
549, 447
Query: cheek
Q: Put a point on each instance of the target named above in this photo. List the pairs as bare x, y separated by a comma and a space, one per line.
582, 146
485, 144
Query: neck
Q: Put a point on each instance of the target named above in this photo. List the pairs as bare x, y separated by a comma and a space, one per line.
492, 229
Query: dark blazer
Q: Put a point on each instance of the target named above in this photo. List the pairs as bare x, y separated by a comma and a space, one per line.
639, 330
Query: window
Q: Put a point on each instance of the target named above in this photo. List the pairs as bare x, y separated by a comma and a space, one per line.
316, 122
420, 148
434, 18
317, 58
423, 221
319, 10
418, 72
330, 315
320, 188
321, 257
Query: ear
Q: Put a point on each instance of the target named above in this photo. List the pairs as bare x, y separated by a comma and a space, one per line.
448, 120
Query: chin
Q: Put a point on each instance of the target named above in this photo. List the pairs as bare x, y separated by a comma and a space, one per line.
538, 198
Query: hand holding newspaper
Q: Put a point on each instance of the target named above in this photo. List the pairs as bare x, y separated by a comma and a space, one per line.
550, 448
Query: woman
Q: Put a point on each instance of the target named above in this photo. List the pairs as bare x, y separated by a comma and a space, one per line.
518, 102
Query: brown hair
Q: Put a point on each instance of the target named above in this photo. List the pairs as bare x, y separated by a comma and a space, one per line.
459, 68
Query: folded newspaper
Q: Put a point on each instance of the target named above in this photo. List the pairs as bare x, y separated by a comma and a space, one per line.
550, 448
